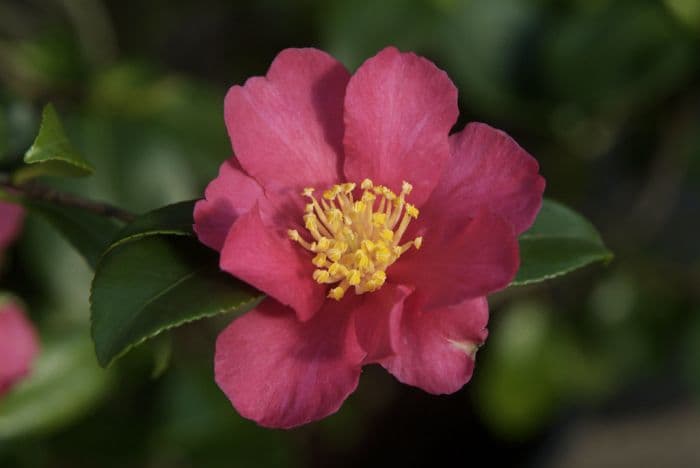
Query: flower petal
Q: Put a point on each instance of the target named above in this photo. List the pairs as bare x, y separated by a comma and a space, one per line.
488, 169
377, 320
287, 127
18, 345
283, 373
231, 194
267, 259
437, 347
399, 109
11, 216
459, 262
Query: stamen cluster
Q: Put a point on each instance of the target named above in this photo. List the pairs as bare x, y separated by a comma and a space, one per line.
356, 240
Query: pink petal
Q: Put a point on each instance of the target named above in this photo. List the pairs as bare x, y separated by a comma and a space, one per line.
287, 127
487, 169
377, 320
227, 197
399, 109
18, 345
437, 347
283, 373
11, 216
266, 258
459, 262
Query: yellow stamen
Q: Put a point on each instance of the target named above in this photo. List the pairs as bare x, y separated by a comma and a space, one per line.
337, 293
337, 269
356, 238
354, 277
321, 276
382, 254
417, 242
379, 219
387, 234
319, 260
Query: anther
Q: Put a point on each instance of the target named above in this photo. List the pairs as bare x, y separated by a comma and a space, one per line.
319, 260
354, 277
321, 276
337, 293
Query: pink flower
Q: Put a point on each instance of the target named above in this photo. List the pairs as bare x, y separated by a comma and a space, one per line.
18, 344
389, 261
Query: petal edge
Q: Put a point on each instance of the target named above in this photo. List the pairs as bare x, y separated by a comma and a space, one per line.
438, 346
265, 258
399, 109
286, 127
282, 373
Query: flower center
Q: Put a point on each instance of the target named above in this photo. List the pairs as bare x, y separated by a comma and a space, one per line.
355, 241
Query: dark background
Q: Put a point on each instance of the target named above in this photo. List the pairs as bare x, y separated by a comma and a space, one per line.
598, 368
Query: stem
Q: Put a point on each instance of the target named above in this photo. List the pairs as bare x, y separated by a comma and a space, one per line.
34, 191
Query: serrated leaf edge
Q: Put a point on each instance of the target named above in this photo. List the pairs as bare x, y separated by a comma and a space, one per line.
606, 258
249, 304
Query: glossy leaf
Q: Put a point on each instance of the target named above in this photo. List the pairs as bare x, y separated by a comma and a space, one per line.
145, 286
162, 351
559, 241
90, 234
175, 219
64, 384
149, 282
52, 154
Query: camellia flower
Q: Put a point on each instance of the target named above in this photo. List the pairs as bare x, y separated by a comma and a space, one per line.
375, 235
18, 344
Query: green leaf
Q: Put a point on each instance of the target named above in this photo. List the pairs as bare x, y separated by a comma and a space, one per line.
162, 349
90, 234
559, 241
146, 286
65, 382
157, 276
175, 219
52, 154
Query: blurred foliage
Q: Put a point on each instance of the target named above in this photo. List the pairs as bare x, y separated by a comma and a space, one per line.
606, 95
65, 382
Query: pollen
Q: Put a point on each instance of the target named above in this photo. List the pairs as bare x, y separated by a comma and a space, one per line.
356, 236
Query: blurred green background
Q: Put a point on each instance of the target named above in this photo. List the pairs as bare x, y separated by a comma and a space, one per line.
598, 368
